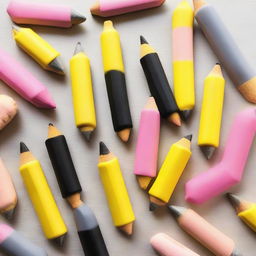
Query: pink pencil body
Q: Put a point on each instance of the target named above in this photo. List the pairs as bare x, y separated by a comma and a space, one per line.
23, 82
23, 12
148, 139
229, 170
109, 8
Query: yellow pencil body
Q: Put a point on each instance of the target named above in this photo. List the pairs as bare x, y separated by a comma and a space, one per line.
183, 64
211, 112
82, 91
116, 192
171, 170
42, 200
34, 45
111, 48
249, 217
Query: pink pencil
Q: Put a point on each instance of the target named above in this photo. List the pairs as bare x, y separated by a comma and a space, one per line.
229, 171
147, 144
23, 82
107, 8
22, 12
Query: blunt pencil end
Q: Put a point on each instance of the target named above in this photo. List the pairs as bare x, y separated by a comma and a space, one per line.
189, 137
23, 147
77, 18
143, 40
208, 151
78, 48
103, 149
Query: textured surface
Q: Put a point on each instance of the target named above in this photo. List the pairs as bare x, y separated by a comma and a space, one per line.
31, 126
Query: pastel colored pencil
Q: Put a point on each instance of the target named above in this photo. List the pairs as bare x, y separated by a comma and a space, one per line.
115, 189
39, 49
183, 57
158, 83
82, 91
170, 173
23, 82
229, 171
13, 243
245, 210
44, 14
115, 81
211, 112
146, 155
41, 196
202, 231
87, 226
8, 195
167, 246
223, 44
8, 110
107, 8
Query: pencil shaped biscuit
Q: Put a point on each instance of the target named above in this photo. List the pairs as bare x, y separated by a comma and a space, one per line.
40, 50
44, 14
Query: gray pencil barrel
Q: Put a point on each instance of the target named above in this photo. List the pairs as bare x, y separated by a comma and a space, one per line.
224, 46
18, 245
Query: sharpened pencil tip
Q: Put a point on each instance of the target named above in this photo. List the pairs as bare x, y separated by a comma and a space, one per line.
176, 211
50, 124
189, 137
153, 207
143, 40
87, 135
103, 149
60, 240
78, 48
233, 199
208, 151
186, 114
9, 214
23, 147
56, 66
77, 18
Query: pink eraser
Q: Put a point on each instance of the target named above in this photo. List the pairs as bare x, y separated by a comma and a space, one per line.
229, 170
8, 196
107, 8
148, 139
8, 110
23, 82
167, 246
5, 232
44, 14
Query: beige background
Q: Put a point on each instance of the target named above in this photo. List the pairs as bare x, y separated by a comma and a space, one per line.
30, 126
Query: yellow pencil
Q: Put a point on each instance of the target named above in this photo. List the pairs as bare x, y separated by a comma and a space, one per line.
211, 112
41, 196
115, 190
170, 172
40, 50
82, 90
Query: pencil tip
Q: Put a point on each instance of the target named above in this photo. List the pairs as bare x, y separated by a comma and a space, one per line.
153, 207
208, 151
189, 137
50, 124
217, 63
233, 199
175, 119
78, 48
87, 135
9, 214
176, 211
77, 18
103, 149
143, 40
23, 147
56, 66
186, 114
60, 240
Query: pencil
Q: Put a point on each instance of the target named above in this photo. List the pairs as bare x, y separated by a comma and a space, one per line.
115, 190
41, 196
170, 173
88, 228
182, 60
40, 50
82, 91
8, 195
245, 210
43, 14
202, 231
146, 155
115, 81
158, 84
211, 112
24, 83
107, 8
231, 58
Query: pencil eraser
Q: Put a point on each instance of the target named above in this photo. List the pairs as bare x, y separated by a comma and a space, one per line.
8, 110
167, 246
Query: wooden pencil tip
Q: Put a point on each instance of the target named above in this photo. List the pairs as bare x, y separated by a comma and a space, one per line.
208, 151
234, 200
103, 149
23, 147
198, 4
95, 9
144, 182
53, 131
189, 137
127, 229
153, 207
124, 134
143, 40
175, 119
